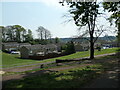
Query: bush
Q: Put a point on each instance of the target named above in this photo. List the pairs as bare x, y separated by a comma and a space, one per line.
70, 48
99, 48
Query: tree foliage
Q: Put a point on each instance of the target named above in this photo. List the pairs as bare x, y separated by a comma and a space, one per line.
57, 40
115, 8
15, 33
85, 14
69, 49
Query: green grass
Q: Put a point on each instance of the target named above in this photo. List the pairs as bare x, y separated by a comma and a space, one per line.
68, 78
9, 60
71, 78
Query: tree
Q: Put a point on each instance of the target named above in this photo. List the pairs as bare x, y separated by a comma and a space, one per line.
18, 29
14, 33
43, 35
70, 48
40, 32
57, 40
24, 32
47, 34
9, 33
85, 14
114, 7
30, 36
3, 32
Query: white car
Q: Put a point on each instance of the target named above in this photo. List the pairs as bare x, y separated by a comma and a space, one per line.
15, 52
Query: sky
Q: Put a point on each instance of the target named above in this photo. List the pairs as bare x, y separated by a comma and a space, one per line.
31, 15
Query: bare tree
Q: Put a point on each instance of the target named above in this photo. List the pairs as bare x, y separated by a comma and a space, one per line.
43, 33
47, 34
99, 30
40, 32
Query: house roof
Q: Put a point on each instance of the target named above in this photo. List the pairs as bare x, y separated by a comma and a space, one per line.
39, 46
50, 46
10, 44
24, 44
33, 47
60, 44
15, 44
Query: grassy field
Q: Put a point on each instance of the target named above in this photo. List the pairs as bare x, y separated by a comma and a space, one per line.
10, 60
68, 78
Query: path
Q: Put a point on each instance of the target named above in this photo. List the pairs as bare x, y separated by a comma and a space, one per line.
19, 76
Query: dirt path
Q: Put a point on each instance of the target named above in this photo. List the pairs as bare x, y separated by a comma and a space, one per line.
19, 76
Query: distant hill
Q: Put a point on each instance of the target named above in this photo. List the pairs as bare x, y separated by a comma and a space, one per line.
105, 38
108, 38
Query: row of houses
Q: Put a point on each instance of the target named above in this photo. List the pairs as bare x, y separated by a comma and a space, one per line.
26, 50
13, 46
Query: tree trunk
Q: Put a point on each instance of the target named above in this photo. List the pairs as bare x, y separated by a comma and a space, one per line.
91, 47
119, 34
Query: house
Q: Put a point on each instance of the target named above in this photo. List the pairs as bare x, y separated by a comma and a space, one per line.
13, 46
37, 50
59, 46
24, 44
80, 47
10, 46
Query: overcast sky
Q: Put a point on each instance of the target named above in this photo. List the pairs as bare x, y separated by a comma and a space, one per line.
46, 13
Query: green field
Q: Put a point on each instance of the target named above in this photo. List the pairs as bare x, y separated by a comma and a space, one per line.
10, 60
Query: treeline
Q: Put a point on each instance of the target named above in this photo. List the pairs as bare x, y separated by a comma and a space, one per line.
17, 33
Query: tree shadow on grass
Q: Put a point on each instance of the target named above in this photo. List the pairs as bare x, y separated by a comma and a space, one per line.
52, 79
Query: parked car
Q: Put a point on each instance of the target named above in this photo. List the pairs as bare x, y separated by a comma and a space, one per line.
105, 47
15, 52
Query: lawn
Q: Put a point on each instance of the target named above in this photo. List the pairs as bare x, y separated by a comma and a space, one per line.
67, 78
11, 60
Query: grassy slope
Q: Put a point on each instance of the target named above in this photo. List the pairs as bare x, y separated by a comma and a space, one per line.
9, 60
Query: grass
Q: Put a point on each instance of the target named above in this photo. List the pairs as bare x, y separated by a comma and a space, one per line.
11, 60
71, 78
